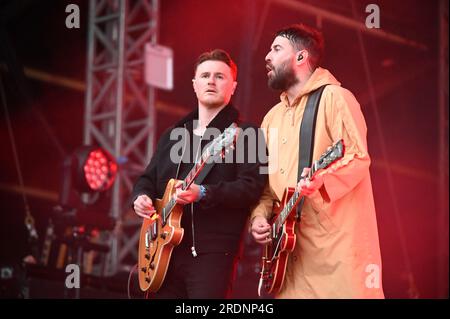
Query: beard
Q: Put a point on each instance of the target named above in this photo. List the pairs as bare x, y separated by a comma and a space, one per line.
283, 78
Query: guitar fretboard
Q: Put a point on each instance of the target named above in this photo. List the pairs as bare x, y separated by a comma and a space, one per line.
193, 173
290, 205
331, 155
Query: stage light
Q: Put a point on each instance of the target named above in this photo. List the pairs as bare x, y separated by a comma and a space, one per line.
88, 174
95, 169
83, 209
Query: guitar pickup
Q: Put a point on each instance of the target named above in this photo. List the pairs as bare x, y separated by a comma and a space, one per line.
154, 230
147, 241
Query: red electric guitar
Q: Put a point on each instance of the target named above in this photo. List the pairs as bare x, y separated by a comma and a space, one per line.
283, 236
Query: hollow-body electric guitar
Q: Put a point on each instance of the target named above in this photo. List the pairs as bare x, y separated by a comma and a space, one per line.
276, 253
160, 235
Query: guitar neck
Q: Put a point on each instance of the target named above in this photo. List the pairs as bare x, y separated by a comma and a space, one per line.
187, 182
193, 173
292, 203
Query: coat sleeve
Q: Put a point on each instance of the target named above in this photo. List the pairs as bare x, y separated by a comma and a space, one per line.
246, 189
264, 207
146, 183
345, 120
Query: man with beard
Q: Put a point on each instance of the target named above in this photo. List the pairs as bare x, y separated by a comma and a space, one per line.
216, 211
336, 253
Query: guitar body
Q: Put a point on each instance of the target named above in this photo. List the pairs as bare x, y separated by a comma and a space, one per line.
275, 258
157, 241
276, 254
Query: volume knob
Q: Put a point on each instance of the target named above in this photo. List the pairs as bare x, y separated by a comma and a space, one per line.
164, 234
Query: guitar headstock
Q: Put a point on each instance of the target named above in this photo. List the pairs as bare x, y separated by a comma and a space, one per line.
332, 154
224, 141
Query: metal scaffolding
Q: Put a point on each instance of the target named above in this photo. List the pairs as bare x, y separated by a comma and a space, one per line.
120, 107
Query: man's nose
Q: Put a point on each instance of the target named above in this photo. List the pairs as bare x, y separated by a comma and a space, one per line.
211, 80
268, 58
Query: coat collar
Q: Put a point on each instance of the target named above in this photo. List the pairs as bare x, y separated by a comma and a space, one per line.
221, 121
318, 78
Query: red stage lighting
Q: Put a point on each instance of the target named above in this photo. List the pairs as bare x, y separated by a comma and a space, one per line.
87, 177
95, 169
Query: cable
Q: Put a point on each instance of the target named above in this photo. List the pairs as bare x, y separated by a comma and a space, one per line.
29, 220
129, 280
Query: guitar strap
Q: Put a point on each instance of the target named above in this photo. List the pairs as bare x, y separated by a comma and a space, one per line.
306, 138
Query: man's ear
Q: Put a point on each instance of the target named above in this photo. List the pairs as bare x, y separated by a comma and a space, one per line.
234, 87
302, 56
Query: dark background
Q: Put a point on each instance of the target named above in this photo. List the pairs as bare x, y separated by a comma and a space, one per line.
403, 124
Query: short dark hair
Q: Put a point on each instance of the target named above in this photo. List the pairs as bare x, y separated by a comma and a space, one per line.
304, 37
218, 55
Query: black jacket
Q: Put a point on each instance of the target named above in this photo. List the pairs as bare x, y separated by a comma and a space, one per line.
232, 188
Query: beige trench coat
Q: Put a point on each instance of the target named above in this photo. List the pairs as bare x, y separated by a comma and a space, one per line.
337, 253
